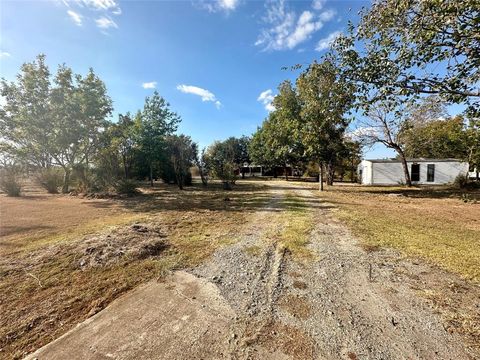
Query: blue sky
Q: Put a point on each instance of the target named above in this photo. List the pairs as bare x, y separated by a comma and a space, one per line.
212, 60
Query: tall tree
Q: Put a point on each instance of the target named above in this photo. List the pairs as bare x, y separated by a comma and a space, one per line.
94, 106
326, 98
125, 140
58, 123
25, 117
157, 121
283, 128
182, 152
220, 158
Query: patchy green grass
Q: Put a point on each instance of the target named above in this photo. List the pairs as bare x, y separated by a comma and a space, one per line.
435, 225
294, 225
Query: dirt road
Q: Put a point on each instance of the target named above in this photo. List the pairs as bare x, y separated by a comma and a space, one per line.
255, 300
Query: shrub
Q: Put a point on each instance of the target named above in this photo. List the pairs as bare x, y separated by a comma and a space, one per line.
50, 179
461, 181
126, 187
10, 181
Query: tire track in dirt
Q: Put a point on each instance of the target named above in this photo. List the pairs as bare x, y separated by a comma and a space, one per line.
342, 303
358, 306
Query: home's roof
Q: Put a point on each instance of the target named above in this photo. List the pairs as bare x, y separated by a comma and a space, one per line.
412, 160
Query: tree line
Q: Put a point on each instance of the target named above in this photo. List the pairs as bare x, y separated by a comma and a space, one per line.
58, 130
392, 74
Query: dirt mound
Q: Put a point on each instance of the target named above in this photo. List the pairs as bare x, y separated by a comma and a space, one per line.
137, 241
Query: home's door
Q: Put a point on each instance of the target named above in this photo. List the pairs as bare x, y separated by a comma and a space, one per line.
415, 172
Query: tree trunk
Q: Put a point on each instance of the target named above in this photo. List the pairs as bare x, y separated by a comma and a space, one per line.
275, 172
125, 167
320, 177
180, 182
151, 175
352, 171
286, 174
408, 181
330, 173
203, 177
243, 172
66, 180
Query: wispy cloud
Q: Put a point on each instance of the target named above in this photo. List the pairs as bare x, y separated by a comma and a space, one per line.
149, 85
105, 23
76, 17
4, 54
219, 5
266, 98
285, 29
203, 93
105, 5
83, 11
325, 43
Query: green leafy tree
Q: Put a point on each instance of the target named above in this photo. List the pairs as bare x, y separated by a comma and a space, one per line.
220, 158
157, 122
439, 139
408, 48
25, 117
124, 139
325, 99
182, 152
278, 141
259, 151
53, 123
201, 163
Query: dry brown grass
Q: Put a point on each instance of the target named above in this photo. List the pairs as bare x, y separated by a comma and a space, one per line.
435, 225
45, 292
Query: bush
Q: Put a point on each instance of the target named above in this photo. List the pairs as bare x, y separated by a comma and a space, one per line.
461, 181
126, 187
50, 179
10, 181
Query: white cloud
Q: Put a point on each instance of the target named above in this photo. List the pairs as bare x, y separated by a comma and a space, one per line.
110, 5
203, 93
76, 17
105, 23
318, 4
361, 133
4, 54
325, 43
149, 85
103, 10
327, 15
286, 30
219, 5
266, 98
228, 4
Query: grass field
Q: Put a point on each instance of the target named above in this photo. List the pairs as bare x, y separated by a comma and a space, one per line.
44, 239
63, 258
435, 225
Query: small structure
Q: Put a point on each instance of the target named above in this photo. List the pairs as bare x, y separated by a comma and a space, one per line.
422, 171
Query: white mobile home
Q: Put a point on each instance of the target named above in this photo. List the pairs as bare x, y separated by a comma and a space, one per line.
422, 171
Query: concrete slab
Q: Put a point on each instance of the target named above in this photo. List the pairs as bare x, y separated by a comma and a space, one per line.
182, 317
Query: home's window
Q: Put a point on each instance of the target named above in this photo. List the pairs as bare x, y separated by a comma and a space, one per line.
431, 172
415, 172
